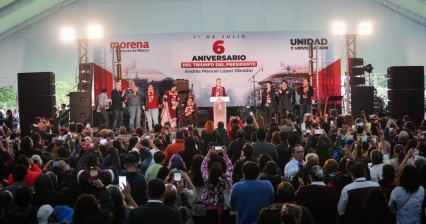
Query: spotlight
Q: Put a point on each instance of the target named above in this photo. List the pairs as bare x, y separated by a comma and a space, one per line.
67, 34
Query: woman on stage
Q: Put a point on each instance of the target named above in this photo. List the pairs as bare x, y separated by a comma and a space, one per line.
170, 106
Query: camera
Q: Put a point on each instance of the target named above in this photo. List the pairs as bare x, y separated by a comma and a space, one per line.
218, 148
177, 176
56, 163
103, 141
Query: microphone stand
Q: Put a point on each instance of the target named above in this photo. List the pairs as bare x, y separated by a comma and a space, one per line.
253, 77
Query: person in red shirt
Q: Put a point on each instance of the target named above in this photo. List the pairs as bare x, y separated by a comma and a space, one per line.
174, 148
218, 90
190, 109
151, 106
32, 172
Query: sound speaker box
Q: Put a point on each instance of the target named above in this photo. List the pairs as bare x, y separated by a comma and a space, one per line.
36, 83
81, 107
362, 99
406, 77
407, 102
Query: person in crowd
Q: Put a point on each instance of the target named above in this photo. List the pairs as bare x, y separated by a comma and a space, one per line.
285, 95
19, 174
137, 181
151, 106
133, 99
153, 171
22, 212
272, 213
87, 209
223, 136
32, 171
208, 135
306, 92
235, 147
353, 195
270, 173
171, 101
376, 157
389, 181
261, 146
117, 96
275, 138
283, 151
101, 107
216, 172
291, 213
218, 90
269, 103
305, 171
246, 155
318, 198
195, 174
189, 151
250, 127
26, 147
46, 193
376, 209
261, 194
407, 199
175, 148
296, 162
154, 211
234, 124
119, 198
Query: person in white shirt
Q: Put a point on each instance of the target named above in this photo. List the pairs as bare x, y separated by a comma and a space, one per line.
295, 163
376, 167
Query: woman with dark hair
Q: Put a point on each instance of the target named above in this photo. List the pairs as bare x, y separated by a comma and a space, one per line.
189, 151
407, 199
121, 209
45, 193
263, 159
27, 148
37, 141
216, 182
270, 173
375, 208
271, 130
208, 135
247, 155
291, 214
275, 139
118, 144
197, 179
87, 209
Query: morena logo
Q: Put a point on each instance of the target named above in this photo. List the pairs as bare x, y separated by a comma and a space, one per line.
127, 45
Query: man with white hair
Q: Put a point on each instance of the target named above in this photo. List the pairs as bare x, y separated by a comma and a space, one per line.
133, 98
117, 106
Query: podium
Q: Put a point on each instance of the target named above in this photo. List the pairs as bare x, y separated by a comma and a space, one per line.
219, 109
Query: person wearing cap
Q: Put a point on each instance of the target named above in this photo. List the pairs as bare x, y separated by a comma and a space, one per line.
170, 105
102, 106
320, 199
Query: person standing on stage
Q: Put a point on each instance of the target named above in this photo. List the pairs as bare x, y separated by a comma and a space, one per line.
151, 106
285, 95
170, 106
190, 110
133, 99
102, 106
218, 90
117, 106
305, 91
268, 102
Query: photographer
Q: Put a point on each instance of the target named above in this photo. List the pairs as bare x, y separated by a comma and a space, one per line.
88, 168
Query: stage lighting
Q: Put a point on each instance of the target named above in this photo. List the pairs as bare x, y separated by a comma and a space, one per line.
67, 33
339, 28
94, 32
365, 29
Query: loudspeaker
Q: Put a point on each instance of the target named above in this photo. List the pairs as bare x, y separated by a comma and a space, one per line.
36, 83
85, 86
85, 72
406, 77
407, 102
362, 99
81, 107
202, 116
34, 106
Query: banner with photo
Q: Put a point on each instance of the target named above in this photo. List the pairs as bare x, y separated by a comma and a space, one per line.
242, 60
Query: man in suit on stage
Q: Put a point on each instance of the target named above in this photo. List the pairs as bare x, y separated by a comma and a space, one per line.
305, 91
154, 211
285, 94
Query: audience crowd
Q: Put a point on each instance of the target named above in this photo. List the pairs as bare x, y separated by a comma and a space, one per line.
370, 169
